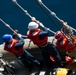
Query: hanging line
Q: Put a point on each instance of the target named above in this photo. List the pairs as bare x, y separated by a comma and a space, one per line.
48, 15
53, 14
38, 1
7, 25
22, 8
30, 15
14, 31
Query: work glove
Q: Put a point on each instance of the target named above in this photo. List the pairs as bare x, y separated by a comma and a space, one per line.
69, 60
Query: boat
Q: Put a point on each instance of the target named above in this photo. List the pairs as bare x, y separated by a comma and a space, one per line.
17, 66
34, 50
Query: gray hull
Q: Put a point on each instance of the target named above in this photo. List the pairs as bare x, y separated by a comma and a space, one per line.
29, 46
34, 50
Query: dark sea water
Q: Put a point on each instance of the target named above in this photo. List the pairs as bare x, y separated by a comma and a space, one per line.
17, 19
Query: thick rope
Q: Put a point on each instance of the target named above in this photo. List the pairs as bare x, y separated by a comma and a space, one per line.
30, 15
7, 25
48, 15
54, 14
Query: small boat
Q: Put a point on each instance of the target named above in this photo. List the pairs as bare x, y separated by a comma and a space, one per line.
34, 50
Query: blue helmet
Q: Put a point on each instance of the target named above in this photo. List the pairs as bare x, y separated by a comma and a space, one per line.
7, 37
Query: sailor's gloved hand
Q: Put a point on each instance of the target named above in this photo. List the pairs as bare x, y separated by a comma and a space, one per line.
15, 32
69, 60
63, 23
33, 19
52, 59
19, 35
39, 23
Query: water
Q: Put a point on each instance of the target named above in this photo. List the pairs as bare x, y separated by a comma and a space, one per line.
17, 19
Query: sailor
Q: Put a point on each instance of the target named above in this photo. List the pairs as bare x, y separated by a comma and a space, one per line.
62, 41
16, 47
66, 40
40, 38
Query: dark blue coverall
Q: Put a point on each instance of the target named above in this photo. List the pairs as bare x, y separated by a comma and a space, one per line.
49, 49
26, 58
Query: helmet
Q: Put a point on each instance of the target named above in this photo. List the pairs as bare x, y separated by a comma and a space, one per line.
32, 25
58, 35
61, 71
7, 37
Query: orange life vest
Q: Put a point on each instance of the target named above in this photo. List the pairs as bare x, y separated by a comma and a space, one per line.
10, 47
34, 36
63, 44
71, 48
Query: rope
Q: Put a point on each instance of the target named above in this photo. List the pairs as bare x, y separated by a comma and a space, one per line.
48, 15
40, 2
30, 15
53, 14
7, 25
22, 8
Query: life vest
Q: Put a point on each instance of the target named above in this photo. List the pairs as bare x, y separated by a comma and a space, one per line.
63, 44
10, 47
34, 36
70, 48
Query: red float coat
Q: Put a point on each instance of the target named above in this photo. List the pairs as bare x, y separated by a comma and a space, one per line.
34, 36
10, 47
63, 44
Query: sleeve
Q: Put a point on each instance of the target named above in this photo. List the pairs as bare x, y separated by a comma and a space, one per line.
44, 33
19, 44
15, 36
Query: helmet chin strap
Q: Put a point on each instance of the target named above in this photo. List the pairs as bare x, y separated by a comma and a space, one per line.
7, 25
